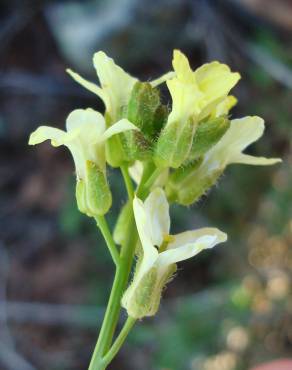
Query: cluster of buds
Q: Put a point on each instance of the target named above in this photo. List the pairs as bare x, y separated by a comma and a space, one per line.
179, 153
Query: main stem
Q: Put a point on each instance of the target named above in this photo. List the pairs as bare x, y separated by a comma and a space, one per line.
114, 305
101, 358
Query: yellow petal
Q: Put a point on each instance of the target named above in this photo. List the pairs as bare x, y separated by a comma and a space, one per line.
225, 106
182, 67
216, 80
87, 84
88, 120
136, 171
163, 78
258, 161
157, 213
44, 133
118, 127
189, 244
115, 82
185, 98
150, 253
241, 134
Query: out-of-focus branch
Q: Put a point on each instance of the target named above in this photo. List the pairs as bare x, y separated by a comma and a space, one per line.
12, 360
90, 316
274, 67
271, 65
54, 314
9, 358
28, 83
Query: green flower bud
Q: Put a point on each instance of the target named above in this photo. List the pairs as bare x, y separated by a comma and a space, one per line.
145, 111
208, 133
92, 193
174, 144
145, 299
136, 146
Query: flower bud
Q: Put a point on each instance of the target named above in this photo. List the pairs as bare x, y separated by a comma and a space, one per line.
144, 300
92, 193
145, 111
174, 144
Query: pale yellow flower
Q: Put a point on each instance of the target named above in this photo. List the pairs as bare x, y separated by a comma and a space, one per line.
115, 84
85, 137
241, 133
196, 93
161, 251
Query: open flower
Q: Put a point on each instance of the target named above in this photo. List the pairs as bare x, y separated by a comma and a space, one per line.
229, 149
85, 137
196, 93
241, 133
115, 84
195, 96
161, 252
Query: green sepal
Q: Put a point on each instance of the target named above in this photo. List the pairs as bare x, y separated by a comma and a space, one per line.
136, 146
115, 153
188, 188
208, 133
80, 196
122, 224
174, 144
146, 111
114, 148
93, 193
145, 300
177, 176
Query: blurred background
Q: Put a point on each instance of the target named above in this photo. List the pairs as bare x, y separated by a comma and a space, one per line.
229, 309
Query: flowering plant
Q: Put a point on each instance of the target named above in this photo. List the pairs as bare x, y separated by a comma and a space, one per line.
172, 155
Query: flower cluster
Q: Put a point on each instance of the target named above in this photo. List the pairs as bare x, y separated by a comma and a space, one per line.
173, 156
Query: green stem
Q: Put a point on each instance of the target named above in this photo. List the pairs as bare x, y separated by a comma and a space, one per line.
119, 341
148, 168
152, 178
128, 182
103, 226
145, 186
114, 305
